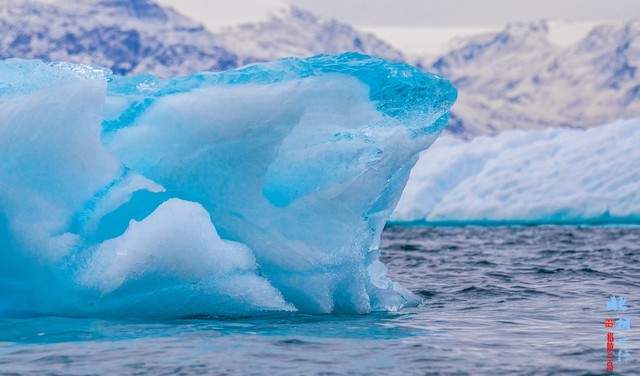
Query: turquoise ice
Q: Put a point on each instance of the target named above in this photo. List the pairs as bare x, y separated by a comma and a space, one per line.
254, 190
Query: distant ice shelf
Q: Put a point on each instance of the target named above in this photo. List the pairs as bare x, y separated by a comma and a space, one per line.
529, 177
253, 190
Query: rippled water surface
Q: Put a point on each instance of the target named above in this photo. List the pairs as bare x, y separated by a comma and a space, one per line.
497, 300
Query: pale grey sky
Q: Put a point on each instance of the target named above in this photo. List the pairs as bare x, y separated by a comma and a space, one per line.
470, 13
422, 27
417, 13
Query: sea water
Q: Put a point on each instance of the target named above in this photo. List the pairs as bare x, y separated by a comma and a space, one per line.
496, 301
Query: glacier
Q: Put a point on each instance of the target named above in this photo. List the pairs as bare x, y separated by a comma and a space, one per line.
261, 189
552, 176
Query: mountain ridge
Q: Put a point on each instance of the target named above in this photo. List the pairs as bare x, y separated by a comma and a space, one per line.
512, 78
126, 36
516, 78
135, 36
297, 32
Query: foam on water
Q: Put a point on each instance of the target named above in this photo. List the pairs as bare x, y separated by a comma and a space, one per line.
260, 189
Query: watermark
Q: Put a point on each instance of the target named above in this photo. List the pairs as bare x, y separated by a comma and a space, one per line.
617, 341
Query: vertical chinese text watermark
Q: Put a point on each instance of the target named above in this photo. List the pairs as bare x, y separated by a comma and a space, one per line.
616, 328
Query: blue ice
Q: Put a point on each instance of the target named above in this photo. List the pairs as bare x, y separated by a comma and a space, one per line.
253, 190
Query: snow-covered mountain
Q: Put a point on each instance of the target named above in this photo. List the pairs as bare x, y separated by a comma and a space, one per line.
131, 36
517, 78
296, 32
123, 35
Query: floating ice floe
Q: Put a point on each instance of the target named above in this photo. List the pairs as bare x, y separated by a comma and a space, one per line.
543, 176
259, 189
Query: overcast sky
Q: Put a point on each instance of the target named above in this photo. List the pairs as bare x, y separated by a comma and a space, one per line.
470, 13
416, 13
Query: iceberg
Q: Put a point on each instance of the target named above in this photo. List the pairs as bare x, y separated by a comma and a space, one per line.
552, 176
261, 189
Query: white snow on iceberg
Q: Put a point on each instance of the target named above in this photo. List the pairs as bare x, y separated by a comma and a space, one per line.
259, 189
548, 176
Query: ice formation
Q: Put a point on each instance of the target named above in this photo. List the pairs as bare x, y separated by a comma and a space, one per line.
548, 176
259, 189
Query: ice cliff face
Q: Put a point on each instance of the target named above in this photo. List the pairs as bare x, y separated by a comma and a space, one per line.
259, 189
134, 36
535, 176
517, 79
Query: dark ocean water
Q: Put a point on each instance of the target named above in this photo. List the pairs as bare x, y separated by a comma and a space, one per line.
497, 301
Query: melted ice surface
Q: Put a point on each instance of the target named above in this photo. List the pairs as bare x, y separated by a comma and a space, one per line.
260, 189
